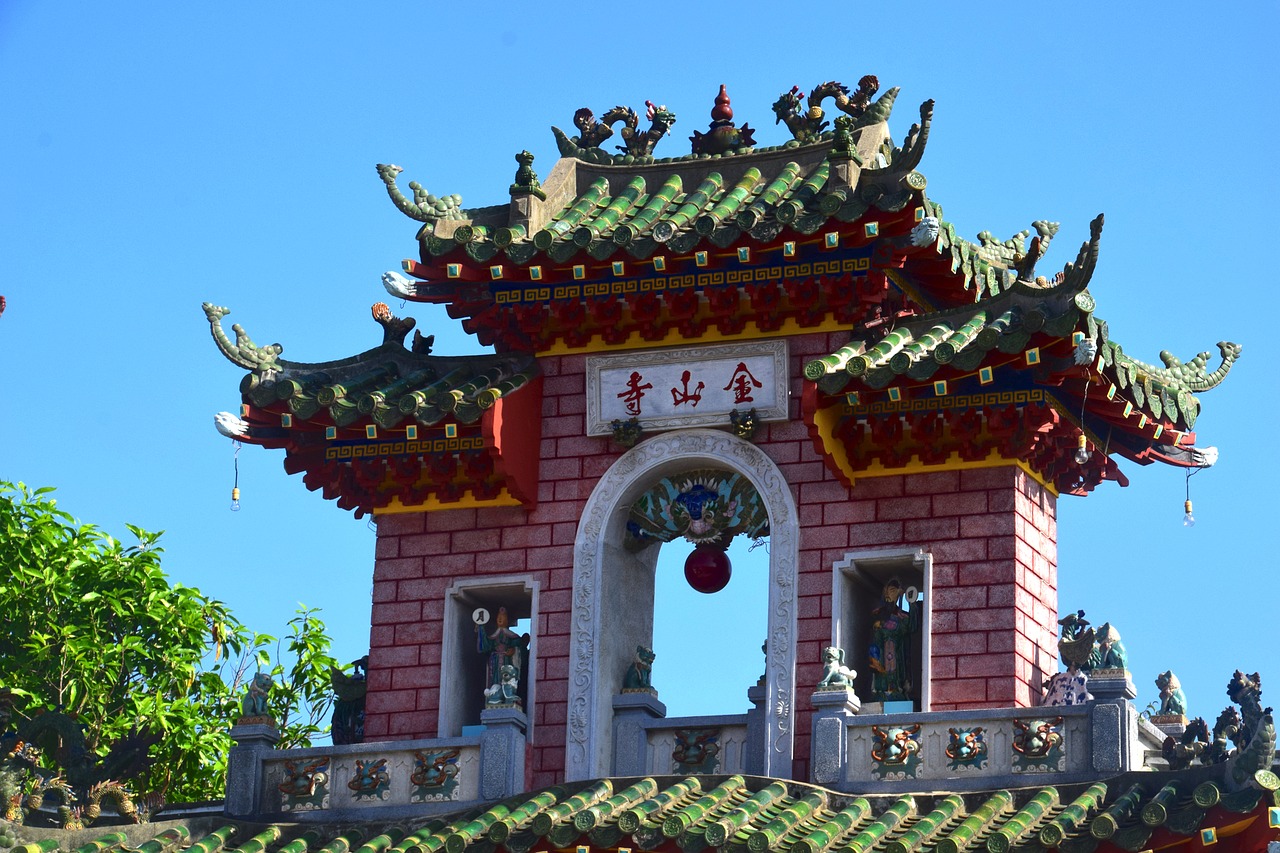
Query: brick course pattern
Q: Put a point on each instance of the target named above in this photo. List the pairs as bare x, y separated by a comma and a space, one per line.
991, 531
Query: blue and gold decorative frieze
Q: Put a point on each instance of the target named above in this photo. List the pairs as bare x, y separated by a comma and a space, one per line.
833, 267
931, 404
371, 450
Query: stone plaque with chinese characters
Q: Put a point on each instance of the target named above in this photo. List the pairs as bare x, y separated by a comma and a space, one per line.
687, 387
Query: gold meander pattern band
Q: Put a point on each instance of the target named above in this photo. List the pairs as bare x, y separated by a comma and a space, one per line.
964, 401
403, 448
681, 282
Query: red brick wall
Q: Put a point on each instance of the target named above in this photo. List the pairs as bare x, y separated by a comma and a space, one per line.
991, 533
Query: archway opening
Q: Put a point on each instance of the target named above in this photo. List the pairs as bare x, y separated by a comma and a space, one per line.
708, 647
613, 593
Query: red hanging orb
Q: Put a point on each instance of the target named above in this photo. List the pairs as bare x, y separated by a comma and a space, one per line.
707, 569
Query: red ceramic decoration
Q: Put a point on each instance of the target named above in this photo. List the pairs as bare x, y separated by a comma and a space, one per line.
707, 569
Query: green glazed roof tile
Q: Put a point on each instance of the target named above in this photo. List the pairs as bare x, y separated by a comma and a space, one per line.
749, 815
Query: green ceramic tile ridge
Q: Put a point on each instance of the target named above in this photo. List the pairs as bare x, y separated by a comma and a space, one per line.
667, 227
653, 809
966, 834
1002, 839
842, 823
719, 832
214, 841
608, 218
789, 211
729, 203
901, 809
1073, 816
767, 836
383, 841
770, 197
639, 224
590, 817
111, 839
878, 354
924, 829
676, 824
1157, 808
303, 843
259, 842
550, 817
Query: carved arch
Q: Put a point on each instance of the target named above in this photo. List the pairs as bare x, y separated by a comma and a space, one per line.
600, 566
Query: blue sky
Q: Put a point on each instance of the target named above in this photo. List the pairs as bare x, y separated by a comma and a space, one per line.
157, 155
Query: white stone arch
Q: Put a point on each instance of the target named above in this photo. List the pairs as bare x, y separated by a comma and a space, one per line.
601, 644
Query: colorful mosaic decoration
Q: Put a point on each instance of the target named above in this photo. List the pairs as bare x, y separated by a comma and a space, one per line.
434, 776
896, 752
305, 786
1039, 746
700, 506
371, 780
697, 751
967, 748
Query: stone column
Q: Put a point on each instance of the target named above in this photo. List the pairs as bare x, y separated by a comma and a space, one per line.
630, 736
1115, 687
502, 752
754, 759
833, 708
256, 738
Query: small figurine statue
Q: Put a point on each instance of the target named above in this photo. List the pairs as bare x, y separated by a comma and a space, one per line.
526, 180
503, 692
254, 703
1108, 650
505, 648
639, 677
1173, 702
890, 651
1074, 647
348, 706
835, 675
842, 144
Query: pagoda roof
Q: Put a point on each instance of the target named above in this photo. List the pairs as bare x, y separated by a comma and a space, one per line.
454, 418
650, 243
1137, 811
1032, 333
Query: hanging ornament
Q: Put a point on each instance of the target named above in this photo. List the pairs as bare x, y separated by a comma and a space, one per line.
1189, 520
235, 485
707, 568
1082, 450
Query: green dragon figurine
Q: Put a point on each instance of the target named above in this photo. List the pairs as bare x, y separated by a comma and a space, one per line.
244, 352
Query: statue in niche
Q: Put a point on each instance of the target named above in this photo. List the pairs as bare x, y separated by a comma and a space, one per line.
890, 651
507, 652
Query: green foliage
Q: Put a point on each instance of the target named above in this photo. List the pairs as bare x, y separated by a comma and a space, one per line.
94, 629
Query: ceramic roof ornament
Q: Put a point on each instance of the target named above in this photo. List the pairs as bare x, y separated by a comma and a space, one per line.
723, 135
